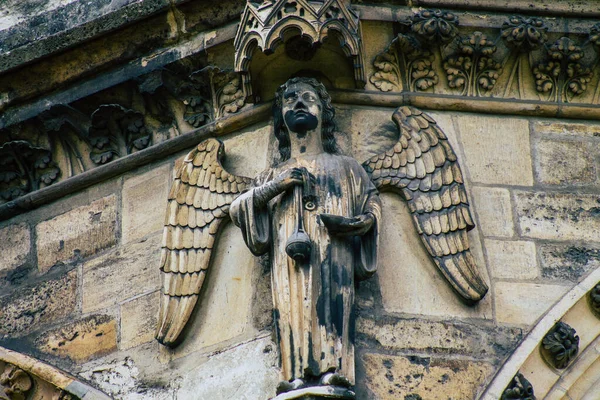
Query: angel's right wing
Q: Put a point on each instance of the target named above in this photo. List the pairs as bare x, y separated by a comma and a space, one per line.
198, 204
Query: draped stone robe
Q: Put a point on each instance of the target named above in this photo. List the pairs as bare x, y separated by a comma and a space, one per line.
314, 301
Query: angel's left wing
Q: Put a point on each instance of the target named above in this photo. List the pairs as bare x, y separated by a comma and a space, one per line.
198, 205
423, 168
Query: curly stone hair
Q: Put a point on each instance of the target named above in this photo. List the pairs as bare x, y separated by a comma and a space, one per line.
327, 125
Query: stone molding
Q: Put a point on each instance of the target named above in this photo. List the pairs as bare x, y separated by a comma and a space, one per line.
575, 309
25, 378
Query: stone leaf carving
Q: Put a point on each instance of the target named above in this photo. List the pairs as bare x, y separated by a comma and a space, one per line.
404, 64
115, 132
434, 26
24, 168
191, 90
523, 36
563, 75
473, 64
226, 87
560, 345
472, 67
407, 63
518, 389
15, 383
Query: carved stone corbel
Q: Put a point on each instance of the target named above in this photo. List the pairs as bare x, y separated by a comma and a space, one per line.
263, 25
518, 389
560, 346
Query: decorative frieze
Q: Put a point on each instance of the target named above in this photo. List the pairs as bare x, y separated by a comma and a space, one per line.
69, 139
433, 53
518, 389
560, 346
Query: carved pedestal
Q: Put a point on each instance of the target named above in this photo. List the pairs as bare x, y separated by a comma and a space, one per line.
317, 393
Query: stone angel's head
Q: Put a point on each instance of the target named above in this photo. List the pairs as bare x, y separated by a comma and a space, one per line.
301, 104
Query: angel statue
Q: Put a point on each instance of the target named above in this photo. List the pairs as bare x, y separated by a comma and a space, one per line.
317, 214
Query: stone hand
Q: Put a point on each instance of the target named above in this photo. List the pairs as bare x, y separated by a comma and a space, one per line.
344, 226
286, 180
292, 177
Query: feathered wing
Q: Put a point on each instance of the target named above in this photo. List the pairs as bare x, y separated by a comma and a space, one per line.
197, 207
424, 169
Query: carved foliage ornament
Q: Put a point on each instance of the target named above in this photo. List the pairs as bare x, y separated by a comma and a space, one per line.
300, 206
518, 389
473, 63
75, 141
560, 345
24, 168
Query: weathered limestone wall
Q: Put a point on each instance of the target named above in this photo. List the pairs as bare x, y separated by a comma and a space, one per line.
80, 276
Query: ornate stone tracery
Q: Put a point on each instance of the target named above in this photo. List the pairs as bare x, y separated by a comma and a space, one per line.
263, 26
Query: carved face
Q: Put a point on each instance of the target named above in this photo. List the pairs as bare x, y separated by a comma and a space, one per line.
301, 108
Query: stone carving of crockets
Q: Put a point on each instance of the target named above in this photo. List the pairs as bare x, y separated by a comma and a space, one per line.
316, 213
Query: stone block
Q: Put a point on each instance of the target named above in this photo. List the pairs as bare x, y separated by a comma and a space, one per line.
145, 202
15, 244
247, 371
558, 127
438, 337
413, 378
78, 233
524, 303
138, 320
224, 308
512, 259
562, 162
91, 337
33, 307
496, 149
409, 280
122, 274
493, 210
558, 216
247, 153
568, 262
